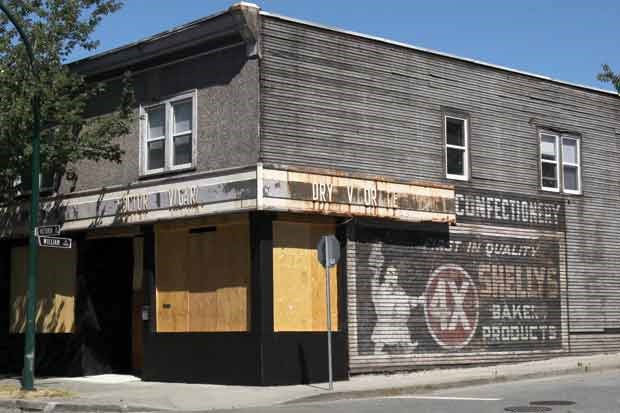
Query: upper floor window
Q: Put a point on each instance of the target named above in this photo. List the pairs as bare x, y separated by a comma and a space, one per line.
560, 163
457, 152
47, 182
169, 134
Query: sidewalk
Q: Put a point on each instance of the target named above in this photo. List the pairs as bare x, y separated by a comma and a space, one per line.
113, 393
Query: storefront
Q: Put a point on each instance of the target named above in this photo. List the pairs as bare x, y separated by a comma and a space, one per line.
201, 280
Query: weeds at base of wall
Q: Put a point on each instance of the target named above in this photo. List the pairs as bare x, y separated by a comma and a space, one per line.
9, 391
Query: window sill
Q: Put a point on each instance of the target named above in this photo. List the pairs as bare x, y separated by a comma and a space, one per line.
153, 175
558, 192
457, 178
43, 193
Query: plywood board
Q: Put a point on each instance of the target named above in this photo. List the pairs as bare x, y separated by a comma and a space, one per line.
55, 311
201, 286
299, 279
233, 254
211, 274
171, 281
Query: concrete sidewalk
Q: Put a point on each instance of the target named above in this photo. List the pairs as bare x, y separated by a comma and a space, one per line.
111, 393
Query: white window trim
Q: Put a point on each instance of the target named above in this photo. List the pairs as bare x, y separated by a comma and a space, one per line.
577, 165
556, 162
169, 137
465, 148
560, 163
42, 189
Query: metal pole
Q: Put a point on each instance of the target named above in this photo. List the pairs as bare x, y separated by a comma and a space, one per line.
33, 258
329, 316
31, 296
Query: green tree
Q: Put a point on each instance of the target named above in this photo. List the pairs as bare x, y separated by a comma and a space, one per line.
607, 75
56, 28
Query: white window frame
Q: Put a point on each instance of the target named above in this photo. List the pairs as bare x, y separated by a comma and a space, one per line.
42, 189
464, 148
555, 162
577, 165
560, 162
168, 138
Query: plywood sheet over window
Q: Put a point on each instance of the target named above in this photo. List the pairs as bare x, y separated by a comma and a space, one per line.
203, 276
55, 290
299, 279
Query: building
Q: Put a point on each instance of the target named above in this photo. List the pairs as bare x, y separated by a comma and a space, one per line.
475, 205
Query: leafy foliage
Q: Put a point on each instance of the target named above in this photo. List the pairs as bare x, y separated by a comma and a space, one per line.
607, 75
56, 28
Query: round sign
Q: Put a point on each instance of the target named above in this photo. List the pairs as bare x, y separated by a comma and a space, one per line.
328, 250
451, 309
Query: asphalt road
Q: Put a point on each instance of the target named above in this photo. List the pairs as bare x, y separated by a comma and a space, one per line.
590, 392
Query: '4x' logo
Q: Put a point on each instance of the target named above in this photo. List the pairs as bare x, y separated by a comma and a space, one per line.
451, 309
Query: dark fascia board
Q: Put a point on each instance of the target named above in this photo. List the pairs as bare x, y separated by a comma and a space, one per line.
237, 24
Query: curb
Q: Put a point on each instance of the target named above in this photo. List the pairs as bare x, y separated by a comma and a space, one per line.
422, 388
20, 405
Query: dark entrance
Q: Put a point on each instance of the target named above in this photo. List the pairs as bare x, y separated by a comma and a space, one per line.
104, 307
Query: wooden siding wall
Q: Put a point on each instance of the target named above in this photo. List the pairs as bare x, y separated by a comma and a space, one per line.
203, 275
337, 101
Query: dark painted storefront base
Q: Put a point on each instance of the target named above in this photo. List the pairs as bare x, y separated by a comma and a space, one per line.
196, 357
302, 358
56, 355
226, 358
237, 358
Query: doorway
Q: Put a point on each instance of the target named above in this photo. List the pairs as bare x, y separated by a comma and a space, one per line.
104, 306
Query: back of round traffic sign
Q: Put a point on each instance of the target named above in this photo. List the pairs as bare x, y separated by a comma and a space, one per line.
333, 249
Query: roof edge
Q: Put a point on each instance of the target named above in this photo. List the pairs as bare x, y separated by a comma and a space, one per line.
148, 39
239, 20
437, 53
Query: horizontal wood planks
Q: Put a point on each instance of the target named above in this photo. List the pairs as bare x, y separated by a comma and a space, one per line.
341, 102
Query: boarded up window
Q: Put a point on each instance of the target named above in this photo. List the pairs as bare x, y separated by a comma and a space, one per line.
203, 276
299, 279
55, 290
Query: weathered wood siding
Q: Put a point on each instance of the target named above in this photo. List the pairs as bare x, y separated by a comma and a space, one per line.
339, 101
477, 292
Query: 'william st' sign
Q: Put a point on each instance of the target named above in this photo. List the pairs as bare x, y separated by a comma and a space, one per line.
55, 242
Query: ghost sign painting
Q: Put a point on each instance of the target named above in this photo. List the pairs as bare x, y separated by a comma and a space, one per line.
472, 294
432, 293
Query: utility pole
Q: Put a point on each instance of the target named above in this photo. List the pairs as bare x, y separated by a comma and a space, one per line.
33, 259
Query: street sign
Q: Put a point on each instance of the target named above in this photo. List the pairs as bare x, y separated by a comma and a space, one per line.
328, 247
48, 231
55, 242
328, 253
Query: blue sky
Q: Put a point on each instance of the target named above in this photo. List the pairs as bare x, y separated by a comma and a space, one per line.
564, 39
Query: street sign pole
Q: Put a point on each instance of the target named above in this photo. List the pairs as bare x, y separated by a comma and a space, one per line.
329, 317
31, 296
33, 260
328, 253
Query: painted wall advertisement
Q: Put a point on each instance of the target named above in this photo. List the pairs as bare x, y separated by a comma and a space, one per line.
432, 292
473, 294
